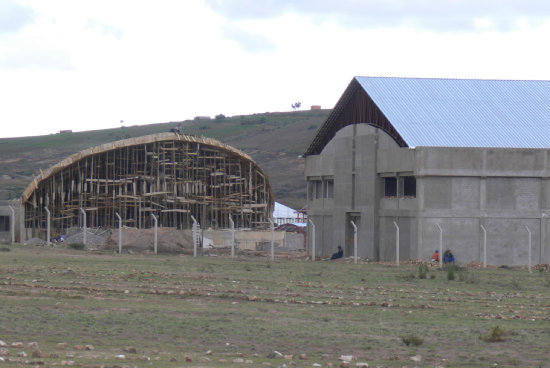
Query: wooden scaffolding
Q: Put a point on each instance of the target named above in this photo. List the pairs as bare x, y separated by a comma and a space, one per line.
169, 175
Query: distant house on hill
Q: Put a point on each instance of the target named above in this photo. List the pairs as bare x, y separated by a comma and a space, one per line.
465, 161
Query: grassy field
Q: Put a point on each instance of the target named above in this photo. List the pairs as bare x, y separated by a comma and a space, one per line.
178, 311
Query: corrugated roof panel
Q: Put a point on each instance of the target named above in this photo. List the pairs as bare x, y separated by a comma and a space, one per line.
464, 112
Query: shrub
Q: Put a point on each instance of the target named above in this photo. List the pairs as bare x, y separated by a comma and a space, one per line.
423, 271
5, 249
77, 246
450, 273
412, 340
497, 334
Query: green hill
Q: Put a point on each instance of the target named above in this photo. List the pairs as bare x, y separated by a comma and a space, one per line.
274, 140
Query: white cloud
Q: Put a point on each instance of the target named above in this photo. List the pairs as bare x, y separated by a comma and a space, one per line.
419, 14
88, 65
14, 16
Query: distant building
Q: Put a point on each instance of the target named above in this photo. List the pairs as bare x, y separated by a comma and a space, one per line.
466, 160
316, 107
286, 215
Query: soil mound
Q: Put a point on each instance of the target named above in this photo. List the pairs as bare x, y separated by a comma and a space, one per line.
142, 240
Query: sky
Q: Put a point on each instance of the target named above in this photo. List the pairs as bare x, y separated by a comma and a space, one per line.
97, 64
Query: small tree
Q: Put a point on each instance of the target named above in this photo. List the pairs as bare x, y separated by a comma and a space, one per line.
296, 105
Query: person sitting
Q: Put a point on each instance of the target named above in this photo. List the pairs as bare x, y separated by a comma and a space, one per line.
338, 254
435, 256
448, 257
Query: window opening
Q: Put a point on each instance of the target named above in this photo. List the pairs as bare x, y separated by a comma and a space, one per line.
409, 186
390, 187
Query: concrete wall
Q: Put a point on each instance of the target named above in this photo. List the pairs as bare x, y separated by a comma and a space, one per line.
5, 212
253, 240
460, 189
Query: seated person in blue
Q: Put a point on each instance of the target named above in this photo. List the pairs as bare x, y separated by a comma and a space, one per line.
448, 257
338, 254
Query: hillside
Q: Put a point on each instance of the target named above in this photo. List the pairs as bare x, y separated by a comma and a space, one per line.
273, 140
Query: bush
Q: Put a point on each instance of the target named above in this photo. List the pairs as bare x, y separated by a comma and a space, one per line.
5, 249
77, 246
450, 273
412, 340
423, 271
497, 334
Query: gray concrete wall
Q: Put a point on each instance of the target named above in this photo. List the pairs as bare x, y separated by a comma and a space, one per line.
459, 189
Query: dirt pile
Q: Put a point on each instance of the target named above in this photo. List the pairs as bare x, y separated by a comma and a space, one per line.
142, 240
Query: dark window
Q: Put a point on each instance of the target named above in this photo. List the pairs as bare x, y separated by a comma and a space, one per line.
318, 189
4, 223
329, 188
390, 187
409, 186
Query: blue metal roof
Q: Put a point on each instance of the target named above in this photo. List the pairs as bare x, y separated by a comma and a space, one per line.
464, 112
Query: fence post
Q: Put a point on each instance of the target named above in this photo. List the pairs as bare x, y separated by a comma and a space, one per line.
84, 230
119, 233
529, 249
47, 225
354, 241
272, 224
484, 246
396, 243
12, 224
156, 223
195, 236
232, 236
440, 246
312, 239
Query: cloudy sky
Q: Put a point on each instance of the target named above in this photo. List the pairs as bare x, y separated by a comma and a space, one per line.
83, 64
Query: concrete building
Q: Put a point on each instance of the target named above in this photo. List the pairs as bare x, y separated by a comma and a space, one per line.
464, 161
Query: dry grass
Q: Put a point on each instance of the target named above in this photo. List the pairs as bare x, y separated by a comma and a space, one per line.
173, 307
